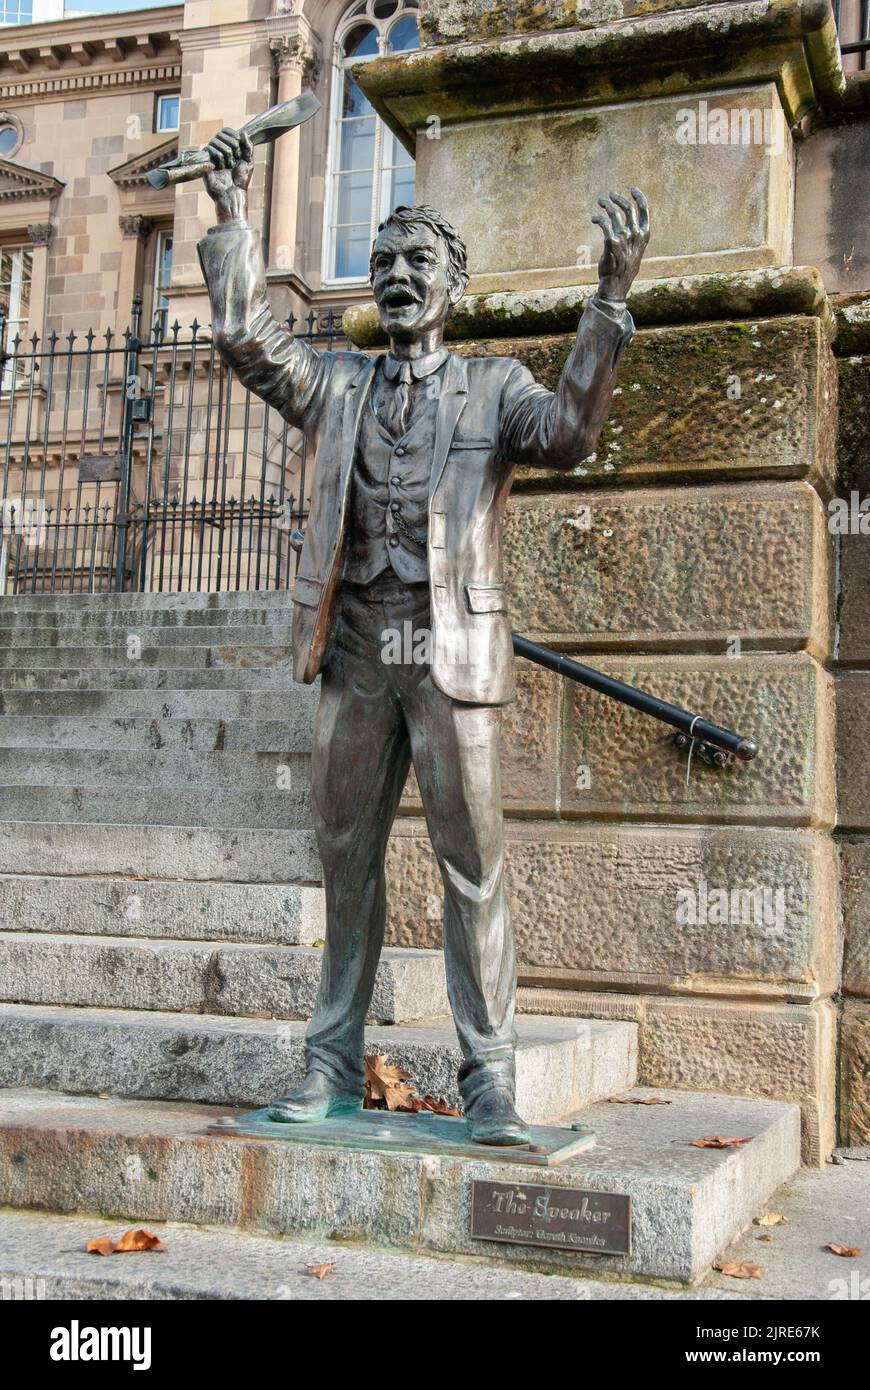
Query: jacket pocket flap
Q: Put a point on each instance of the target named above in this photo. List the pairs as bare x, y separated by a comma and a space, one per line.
460, 442
307, 592
485, 598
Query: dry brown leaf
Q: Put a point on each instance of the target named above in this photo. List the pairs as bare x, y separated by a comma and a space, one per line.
771, 1218
387, 1084
739, 1269
849, 1252
438, 1106
719, 1141
137, 1238
104, 1246
319, 1271
638, 1100
766, 1236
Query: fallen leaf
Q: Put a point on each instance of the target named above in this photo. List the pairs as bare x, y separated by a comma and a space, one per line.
718, 1141
138, 1239
638, 1100
319, 943
135, 1239
771, 1218
849, 1252
319, 1271
764, 1237
104, 1246
438, 1106
739, 1269
387, 1085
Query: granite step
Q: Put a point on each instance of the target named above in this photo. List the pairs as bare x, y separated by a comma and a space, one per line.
223, 601
233, 854
279, 914
39, 620
167, 806
561, 1064
151, 1161
153, 638
164, 734
136, 676
229, 979
224, 656
156, 768
74, 706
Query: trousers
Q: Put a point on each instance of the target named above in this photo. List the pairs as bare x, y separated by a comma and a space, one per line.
377, 715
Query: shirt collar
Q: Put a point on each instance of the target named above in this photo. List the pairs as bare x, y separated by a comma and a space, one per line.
420, 366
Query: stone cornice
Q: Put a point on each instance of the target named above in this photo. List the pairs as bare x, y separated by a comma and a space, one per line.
133, 172
653, 304
222, 35
19, 184
792, 42
78, 54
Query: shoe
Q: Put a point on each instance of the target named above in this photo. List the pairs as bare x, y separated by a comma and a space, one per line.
316, 1099
492, 1119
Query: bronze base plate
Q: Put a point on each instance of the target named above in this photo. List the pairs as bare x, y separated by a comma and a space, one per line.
420, 1133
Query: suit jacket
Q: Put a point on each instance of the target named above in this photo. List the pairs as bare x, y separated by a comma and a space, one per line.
491, 417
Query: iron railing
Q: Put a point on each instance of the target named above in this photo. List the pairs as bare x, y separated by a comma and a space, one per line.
853, 27
137, 462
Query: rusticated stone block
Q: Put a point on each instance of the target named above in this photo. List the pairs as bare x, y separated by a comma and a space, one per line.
618, 762
854, 599
640, 906
672, 568
734, 400
855, 878
855, 1074
529, 746
853, 748
786, 1051
560, 160
854, 424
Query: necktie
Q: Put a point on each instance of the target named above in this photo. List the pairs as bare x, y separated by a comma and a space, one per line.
399, 406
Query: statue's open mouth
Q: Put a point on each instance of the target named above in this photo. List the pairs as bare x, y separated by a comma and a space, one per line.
398, 298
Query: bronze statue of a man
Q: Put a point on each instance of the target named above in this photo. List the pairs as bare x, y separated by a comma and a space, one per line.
415, 452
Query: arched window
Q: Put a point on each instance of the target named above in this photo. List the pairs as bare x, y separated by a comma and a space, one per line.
370, 172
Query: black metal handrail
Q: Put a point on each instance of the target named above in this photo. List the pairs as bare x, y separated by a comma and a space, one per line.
692, 726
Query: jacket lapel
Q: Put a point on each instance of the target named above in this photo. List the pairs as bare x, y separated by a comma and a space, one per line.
355, 396
450, 406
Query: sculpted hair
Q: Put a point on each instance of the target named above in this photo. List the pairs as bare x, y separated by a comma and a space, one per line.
422, 216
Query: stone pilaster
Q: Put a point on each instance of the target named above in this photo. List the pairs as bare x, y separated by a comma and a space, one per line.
296, 59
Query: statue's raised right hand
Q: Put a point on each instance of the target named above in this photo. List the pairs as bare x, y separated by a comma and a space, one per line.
232, 156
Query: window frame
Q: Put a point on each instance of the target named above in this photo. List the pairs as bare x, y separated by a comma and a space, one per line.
159, 98
159, 237
19, 324
355, 16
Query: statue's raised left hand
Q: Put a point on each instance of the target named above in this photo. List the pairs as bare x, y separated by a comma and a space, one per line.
626, 233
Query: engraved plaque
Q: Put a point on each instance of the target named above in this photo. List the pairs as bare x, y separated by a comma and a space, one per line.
100, 468
560, 1218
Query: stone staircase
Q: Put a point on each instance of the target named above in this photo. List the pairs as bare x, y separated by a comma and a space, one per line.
160, 910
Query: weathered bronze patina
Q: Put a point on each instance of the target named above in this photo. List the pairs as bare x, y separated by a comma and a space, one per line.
399, 603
